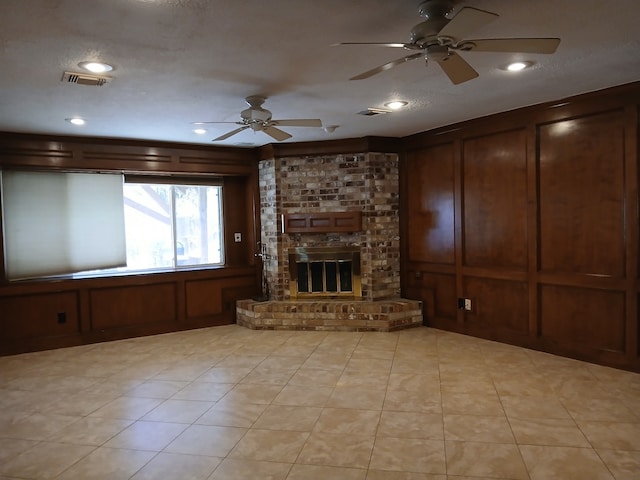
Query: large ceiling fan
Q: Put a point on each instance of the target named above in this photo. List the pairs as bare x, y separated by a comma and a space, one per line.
438, 38
259, 120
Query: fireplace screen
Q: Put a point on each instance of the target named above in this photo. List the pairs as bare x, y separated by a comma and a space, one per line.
324, 272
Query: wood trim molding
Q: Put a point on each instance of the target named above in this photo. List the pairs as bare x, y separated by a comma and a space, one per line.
58, 152
331, 147
612, 98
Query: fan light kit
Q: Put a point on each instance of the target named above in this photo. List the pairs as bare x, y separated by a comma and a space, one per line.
96, 67
441, 36
199, 131
259, 119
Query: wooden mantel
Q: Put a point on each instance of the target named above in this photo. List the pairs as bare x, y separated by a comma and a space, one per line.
322, 222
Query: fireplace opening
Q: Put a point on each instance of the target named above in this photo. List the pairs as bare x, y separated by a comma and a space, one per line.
324, 272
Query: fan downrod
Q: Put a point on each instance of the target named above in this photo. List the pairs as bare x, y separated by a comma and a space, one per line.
255, 101
435, 8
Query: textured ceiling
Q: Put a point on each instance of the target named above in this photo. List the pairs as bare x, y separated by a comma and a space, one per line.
183, 61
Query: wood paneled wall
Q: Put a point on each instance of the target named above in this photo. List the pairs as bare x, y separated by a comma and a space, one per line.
38, 315
533, 215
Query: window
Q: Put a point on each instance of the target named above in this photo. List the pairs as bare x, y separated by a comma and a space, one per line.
59, 223
172, 225
95, 224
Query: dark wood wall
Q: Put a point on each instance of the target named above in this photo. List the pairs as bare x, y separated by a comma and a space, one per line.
37, 315
533, 215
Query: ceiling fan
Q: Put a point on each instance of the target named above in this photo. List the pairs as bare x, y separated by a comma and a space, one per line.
438, 38
259, 120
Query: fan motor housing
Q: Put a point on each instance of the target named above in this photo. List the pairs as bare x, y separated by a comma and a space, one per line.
426, 33
256, 114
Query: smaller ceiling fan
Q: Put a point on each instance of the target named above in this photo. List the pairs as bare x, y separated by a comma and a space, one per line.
438, 38
259, 119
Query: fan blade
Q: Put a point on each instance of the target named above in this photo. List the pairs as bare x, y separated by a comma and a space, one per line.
230, 134
386, 66
466, 20
377, 44
457, 68
517, 45
303, 122
276, 133
206, 123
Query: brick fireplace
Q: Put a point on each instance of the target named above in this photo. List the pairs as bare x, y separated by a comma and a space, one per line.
300, 197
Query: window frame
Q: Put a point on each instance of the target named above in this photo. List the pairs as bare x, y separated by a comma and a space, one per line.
132, 177
180, 180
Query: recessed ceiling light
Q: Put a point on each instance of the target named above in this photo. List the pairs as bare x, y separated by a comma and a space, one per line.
517, 66
396, 104
76, 121
96, 67
200, 131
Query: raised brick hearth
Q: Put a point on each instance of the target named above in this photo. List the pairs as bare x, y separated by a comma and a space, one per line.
366, 183
330, 315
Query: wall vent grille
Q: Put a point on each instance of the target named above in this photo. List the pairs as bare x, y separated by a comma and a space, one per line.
84, 79
371, 111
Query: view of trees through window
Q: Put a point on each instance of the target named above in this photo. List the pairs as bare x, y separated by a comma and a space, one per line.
172, 225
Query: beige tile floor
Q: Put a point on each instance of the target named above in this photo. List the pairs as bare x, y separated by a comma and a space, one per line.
227, 403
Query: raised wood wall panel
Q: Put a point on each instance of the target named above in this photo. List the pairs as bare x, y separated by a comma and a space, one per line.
439, 294
204, 297
48, 152
231, 294
208, 298
546, 215
494, 199
497, 305
593, 319
133, 305
430, 193
235, 207
26, 317
110, 308
582, 195
123, 154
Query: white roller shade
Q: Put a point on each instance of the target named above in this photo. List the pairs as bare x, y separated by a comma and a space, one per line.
61, 223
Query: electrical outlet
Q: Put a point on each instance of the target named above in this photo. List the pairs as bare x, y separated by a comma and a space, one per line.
467, 304
237, 237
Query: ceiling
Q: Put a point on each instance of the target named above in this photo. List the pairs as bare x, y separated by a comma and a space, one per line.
183, 61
